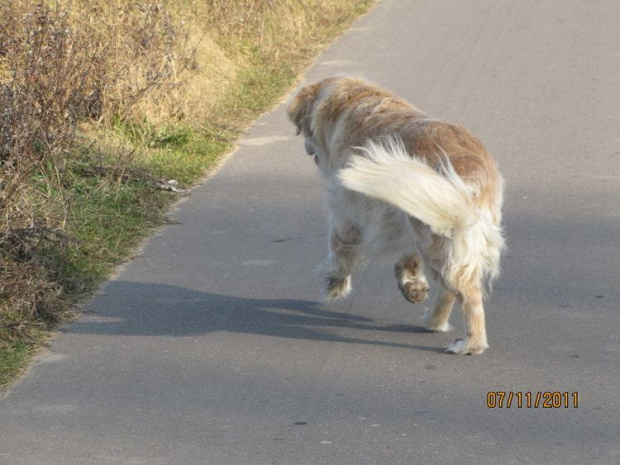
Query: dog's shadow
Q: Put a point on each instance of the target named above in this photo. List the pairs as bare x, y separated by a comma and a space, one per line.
131, 308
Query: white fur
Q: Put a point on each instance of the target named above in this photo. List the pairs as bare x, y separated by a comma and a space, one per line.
390, 174
441, 328
441, 200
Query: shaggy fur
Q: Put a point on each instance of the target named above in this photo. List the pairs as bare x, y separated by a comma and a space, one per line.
399, 180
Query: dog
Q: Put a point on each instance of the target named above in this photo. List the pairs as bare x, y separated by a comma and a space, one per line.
400, 181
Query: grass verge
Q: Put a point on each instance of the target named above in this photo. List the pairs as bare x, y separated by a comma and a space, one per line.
102, 105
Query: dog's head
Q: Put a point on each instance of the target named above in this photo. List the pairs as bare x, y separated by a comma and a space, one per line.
301, 111
301, 108
317, 111
305, 111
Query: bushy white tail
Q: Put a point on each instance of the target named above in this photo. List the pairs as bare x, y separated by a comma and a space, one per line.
439, 199
390, 174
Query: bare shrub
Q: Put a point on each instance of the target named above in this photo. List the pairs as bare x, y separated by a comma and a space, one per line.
62, 64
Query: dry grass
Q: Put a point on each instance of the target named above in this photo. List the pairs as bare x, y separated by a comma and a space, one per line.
100, 100
62, 64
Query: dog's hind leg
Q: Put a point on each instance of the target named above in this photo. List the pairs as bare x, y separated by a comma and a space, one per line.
411, 280
343, 259
473, 312
437, 318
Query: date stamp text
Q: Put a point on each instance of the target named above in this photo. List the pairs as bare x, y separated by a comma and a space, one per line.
529, 399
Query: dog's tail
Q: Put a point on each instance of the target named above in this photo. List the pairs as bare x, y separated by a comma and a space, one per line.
388, 173
439, 199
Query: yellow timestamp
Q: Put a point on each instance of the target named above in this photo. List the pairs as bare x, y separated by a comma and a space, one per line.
529, 399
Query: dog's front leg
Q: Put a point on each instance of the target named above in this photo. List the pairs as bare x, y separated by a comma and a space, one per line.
343, 258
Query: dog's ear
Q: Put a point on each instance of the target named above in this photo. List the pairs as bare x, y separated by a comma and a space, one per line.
300, 109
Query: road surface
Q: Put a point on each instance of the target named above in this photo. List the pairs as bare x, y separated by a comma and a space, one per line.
212, 347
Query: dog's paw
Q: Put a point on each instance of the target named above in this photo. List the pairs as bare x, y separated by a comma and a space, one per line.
414, 291
336, 288
467, 347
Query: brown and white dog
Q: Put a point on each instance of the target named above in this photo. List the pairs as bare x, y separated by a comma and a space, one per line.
399, 180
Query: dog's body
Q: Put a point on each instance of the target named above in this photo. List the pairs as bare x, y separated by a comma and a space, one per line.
399, 180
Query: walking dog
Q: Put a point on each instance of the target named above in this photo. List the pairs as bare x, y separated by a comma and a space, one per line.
400, 180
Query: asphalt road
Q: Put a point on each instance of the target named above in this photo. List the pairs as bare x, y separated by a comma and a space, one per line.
213, 347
